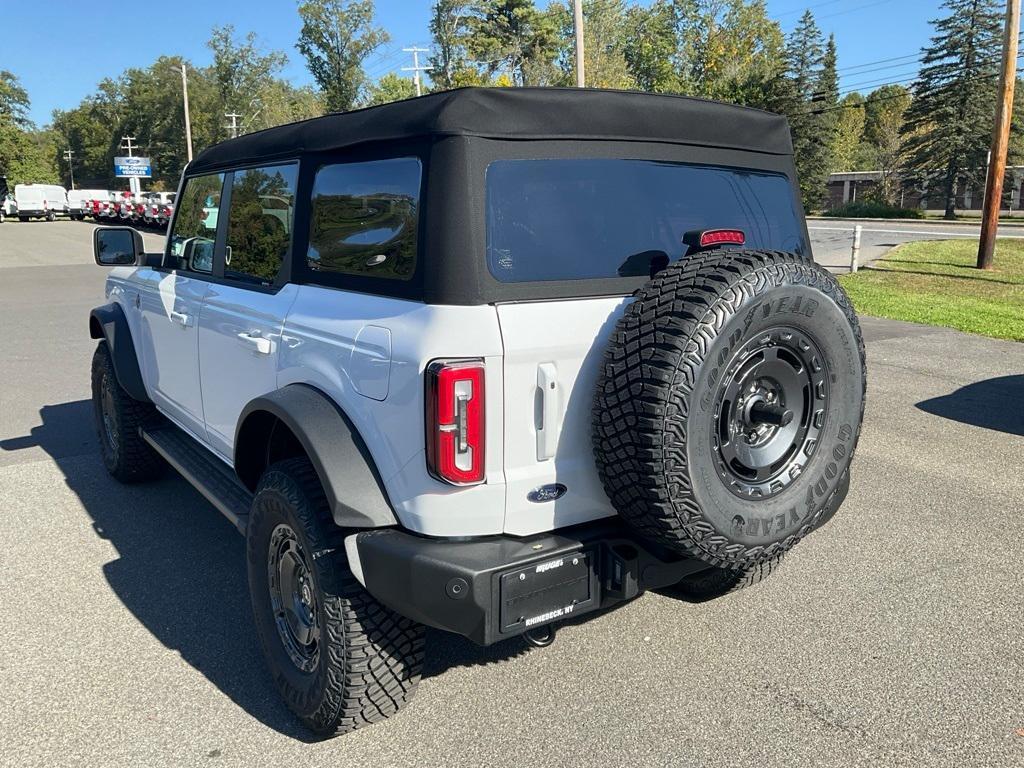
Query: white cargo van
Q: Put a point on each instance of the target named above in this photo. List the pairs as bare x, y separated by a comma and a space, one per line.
40, 201
78, 200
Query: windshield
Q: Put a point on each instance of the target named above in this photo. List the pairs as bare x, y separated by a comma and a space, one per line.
599, 218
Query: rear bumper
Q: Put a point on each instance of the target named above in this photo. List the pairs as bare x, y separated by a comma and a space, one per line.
492, 588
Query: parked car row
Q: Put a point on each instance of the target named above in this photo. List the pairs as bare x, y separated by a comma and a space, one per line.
152, 209
48, 201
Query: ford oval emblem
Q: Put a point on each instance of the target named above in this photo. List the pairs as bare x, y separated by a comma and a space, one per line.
547, 493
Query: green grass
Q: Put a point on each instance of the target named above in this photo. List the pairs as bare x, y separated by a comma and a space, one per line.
936, 283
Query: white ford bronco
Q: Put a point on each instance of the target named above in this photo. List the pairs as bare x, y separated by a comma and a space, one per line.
482, 361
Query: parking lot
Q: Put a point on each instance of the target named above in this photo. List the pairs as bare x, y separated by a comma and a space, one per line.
892, 637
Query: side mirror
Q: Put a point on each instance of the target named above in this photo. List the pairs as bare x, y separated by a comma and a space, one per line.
117, 246
197, 254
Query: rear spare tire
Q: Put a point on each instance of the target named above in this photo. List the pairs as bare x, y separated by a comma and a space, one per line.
729, 404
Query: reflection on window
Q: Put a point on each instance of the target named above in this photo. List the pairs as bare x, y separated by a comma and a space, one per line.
603, 218
260, 223
196, 220
364, 218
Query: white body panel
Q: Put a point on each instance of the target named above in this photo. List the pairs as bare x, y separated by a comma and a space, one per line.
207, 349
239, 348
334, 341
553, 352
168, 345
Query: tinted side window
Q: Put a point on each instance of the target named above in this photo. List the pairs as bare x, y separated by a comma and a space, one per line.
364, 218
600, 218
260, 223
196, 221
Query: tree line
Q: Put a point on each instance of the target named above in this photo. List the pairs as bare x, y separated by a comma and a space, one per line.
934, 132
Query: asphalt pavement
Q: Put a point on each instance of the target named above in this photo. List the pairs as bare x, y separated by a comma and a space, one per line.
832, 239
890, 638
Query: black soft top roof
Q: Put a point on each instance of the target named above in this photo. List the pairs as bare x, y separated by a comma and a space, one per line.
518, 113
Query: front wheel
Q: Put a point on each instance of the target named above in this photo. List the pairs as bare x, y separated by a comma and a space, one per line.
119, 419
51, 216
340, 659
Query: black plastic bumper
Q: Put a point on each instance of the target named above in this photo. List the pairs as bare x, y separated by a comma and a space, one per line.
495, 587
492, 588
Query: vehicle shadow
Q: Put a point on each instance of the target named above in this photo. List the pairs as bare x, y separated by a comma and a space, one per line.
993, 404
181, 571
881, 267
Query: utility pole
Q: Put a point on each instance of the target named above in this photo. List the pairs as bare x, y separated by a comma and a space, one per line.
188, 121
577, 27
1000, 138
68, 154
133, 181
233, 117
416, 68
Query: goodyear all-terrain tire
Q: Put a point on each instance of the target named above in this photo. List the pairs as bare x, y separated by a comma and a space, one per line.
340, 659
716, 582
729, 405
119, 417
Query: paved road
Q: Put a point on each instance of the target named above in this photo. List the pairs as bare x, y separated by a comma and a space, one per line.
832, 239
891, 638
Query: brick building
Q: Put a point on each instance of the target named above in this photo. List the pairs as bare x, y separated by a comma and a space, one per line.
852, 186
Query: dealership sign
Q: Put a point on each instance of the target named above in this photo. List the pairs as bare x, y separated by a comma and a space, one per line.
138, 167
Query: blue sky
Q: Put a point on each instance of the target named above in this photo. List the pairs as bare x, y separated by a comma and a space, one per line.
61, 56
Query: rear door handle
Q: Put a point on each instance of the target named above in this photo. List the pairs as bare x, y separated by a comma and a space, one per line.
547, 434
180, 318
257, 344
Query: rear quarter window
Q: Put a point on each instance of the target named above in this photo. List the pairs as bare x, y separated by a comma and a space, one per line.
364, 218
578, 219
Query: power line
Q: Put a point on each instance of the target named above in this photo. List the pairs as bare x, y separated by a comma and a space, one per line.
912, 78
905, 77
853, 10
966, 81
805, 8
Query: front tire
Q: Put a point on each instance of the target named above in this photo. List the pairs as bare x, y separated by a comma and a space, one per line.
340, 659
119, 419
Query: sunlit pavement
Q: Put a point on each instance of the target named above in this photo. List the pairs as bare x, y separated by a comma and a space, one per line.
892, 637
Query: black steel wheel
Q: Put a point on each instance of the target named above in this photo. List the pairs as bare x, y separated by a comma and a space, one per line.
293, 598
729, 405
770, 411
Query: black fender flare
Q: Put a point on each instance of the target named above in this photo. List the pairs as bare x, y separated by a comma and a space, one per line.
108, 322
339, 455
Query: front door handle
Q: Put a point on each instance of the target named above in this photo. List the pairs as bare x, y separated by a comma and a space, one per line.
256, 343
180, 318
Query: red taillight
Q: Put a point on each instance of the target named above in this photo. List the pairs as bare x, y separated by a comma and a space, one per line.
712, 237
455, 421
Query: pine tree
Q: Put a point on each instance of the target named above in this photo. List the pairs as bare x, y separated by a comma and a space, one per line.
812, 73
949, 123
